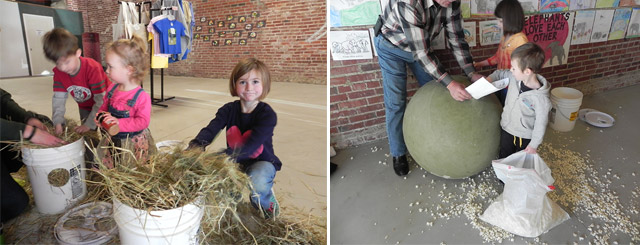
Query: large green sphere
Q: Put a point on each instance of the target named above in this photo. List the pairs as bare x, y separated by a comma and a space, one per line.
448, 138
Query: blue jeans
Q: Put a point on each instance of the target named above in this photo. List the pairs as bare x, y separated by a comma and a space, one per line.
261, 174
393, 62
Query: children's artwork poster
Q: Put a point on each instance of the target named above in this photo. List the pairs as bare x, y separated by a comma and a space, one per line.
215, 42
547, 6
601, 25
490, 32
248, 27
607, 3
220, 23
619, 23
529, 6
629, 3
203, 19
350, 45
353, 12
581, 4
634, 24
206, 37
437, 42
255, 14
469, 29
483, 7
261, 24
465, 8
253, 34
211, 22
583, 26
212, 30
552, 32
242, 19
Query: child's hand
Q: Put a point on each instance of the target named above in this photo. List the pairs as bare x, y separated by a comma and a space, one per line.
109, 119
82, 129
530, 150
58, 129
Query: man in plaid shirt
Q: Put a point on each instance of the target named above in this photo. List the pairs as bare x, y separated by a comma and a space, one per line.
403, 37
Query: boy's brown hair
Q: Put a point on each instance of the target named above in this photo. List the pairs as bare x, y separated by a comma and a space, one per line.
245, 66
529, 55
134, 53
59, 43
512, 15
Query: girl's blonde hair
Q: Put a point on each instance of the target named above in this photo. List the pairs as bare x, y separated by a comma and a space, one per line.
133, 53
245, 66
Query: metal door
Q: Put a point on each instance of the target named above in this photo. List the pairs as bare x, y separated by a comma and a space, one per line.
35, 26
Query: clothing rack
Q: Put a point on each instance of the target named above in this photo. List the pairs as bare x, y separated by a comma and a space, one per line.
155, 101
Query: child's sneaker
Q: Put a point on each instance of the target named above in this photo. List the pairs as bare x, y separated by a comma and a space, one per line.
274, 207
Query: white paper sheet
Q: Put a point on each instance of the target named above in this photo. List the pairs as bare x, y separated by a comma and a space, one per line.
482, 87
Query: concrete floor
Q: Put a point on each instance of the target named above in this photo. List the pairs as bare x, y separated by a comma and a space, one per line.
371, 205
300, 138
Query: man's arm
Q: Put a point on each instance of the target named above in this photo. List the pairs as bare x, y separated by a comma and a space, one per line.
455, 36
414, 20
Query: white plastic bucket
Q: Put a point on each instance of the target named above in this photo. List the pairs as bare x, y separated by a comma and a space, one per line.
56, 175
565, 105
173, 226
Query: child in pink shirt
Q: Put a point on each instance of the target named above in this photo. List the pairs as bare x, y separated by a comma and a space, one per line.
126, 104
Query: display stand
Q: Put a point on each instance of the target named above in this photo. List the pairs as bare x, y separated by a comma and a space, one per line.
155, 101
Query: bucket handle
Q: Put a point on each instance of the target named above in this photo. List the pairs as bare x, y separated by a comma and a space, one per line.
560, 111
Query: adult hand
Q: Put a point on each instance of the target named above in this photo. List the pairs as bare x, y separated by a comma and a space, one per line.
476, 76
36, 123
42, 137
58, 129
458, 92
530, 150
82, 129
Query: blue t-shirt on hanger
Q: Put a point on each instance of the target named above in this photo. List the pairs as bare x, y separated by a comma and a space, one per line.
170, 31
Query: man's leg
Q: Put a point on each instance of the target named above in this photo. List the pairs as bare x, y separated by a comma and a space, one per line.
393, 62
14, 200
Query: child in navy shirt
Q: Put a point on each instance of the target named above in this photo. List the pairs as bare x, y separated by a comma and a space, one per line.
249, 126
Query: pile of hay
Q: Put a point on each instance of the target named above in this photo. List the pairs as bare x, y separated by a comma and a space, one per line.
174, 179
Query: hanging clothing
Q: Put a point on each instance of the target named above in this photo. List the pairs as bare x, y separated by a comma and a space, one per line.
171, 32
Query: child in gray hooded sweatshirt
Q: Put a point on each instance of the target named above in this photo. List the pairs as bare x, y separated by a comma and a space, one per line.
526, 110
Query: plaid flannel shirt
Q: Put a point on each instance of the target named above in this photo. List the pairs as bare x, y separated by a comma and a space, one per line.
410, 25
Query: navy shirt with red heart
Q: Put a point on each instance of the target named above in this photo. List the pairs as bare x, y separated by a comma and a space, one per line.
249, 135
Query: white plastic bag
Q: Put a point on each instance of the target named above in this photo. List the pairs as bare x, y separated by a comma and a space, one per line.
523, 208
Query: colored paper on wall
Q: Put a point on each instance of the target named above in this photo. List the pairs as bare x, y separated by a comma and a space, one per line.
619, 23
583, 26
552, 32
353, 12
529, 6
607, 3
490, 32
581, 4
465, 8
483, 7
601, 25
634, 24
547, 6
469, 29
629, 3
350, 45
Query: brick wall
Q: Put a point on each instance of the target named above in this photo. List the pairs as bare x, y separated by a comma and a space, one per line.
292, 42
357, 107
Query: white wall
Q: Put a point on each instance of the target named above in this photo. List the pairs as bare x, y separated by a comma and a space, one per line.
13, 57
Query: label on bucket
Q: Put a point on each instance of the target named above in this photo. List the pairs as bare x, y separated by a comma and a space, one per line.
573, 117
76, 182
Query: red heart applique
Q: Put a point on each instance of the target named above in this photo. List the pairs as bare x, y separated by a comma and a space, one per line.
236, 139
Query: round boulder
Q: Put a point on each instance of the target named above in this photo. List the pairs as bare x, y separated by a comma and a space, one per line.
448, 138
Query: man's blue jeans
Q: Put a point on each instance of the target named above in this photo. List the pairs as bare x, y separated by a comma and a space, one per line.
261, 174
393, 62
